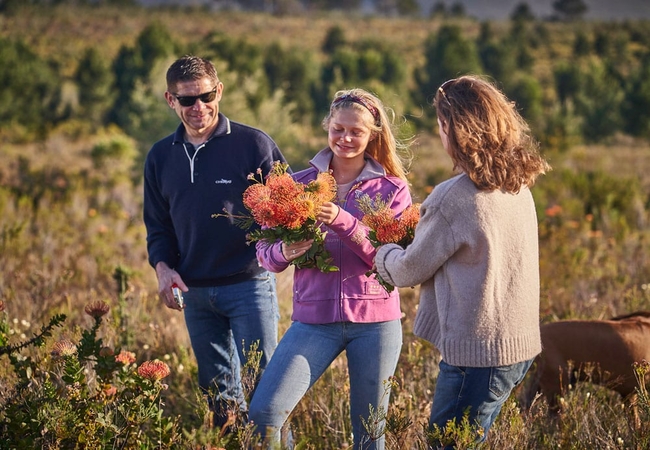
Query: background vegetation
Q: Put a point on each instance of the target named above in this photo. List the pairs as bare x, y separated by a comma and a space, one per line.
81, 103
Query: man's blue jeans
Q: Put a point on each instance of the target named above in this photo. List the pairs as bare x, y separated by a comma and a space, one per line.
306, 351
223, 322
481, 391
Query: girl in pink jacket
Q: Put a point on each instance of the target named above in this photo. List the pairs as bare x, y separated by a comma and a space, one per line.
344, 310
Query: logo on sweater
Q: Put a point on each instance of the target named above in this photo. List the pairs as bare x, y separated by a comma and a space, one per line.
223, 181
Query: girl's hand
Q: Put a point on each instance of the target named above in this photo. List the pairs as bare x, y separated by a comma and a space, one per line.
296, 249
328, 213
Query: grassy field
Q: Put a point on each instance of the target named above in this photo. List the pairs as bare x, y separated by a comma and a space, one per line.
71, 234
69, 231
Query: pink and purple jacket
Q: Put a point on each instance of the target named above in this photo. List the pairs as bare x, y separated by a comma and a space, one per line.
347, 295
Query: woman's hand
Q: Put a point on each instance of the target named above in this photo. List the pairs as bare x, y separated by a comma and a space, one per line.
295, 249
328, 212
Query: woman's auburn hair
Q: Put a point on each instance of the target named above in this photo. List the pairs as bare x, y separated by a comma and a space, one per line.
487, 137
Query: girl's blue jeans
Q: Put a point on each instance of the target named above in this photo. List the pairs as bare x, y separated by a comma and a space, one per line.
306, 351
223, 322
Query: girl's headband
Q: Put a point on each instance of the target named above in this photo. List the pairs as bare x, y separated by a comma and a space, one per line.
361, 101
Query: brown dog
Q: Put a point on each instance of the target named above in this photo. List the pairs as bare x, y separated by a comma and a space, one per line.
603, 351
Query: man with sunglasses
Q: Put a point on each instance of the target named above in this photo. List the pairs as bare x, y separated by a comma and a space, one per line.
230, 302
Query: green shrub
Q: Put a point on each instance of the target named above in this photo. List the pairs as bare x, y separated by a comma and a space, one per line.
87, 395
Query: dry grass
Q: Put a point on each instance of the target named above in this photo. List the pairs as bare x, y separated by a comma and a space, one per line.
60, 252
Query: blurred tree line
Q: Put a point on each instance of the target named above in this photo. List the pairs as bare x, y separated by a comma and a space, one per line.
564, 9
596, 88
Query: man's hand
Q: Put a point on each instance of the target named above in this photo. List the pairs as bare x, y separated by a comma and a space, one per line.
166, 279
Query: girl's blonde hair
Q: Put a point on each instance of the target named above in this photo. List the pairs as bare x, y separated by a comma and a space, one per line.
384, 147
487, 137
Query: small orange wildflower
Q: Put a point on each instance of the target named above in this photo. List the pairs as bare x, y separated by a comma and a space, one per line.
109, 390
553, 211
125, 357
97, 309
153, 370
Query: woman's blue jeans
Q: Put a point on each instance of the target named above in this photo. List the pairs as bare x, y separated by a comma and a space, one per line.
479, 391
223, 322
306, 351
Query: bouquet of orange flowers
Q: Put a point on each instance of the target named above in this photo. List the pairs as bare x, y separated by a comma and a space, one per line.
286, 210
385, 228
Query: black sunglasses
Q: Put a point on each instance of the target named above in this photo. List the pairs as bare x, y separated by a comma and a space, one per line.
190, 100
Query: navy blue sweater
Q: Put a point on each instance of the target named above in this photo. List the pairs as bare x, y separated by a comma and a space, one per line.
183, 188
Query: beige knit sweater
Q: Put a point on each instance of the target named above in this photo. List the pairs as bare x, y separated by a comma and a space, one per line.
476, 256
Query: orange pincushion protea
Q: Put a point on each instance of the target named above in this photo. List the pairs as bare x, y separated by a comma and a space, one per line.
410, 216
323, 188
385, 228
286, 210
306, 205
153, 370
375, 219
283, 186
256, 196
390, 233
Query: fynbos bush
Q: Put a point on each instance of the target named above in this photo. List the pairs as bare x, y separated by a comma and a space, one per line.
87, 395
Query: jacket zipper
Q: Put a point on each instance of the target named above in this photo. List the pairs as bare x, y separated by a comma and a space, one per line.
191, 159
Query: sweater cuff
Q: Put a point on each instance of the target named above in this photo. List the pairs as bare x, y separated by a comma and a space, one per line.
382, 261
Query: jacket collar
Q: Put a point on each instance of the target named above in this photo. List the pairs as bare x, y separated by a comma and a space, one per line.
372, 169
223, 128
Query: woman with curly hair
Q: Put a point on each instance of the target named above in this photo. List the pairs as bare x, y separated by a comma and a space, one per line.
475, 254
